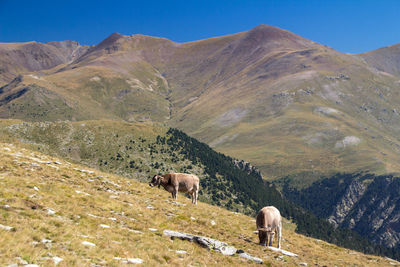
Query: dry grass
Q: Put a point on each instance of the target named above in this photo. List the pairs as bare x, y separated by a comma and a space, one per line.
32, 183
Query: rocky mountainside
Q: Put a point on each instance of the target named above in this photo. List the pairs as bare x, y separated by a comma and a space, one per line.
365, 203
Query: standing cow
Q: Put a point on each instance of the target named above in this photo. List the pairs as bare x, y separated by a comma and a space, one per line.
178, 182
269, 223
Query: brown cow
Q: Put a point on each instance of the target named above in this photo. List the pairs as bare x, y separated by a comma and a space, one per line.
269, 222
178, 182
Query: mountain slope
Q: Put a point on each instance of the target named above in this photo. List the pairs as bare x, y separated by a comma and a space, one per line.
139, 151
288, 105
386, 59
17, 58
365, 203
53, 207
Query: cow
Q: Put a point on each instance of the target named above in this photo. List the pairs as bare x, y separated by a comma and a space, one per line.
178, 182
269, 223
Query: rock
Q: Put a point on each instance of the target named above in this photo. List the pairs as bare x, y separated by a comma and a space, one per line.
227, 250
45, 241
57, 162
56, 260
134, 231
284, 252
13, 265
35, 188
7, 228
135, 261
193, 218
104, 226
303, 264
183, 236
112, 219
31, 265
211, 243
21, 261
80, 192
150, 207
213, 222
153, 229
180, 251
87, 243
249, 257
51, 212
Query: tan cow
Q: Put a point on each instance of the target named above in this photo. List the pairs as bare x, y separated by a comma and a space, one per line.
269, 223
178, 182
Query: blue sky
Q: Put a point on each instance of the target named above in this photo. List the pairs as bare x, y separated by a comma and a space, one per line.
352, 26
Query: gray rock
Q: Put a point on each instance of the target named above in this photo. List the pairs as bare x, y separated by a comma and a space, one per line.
135, 260
211, 243
174, 234
284, 252
249, 257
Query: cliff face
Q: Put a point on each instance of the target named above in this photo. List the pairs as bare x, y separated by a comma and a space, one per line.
369, 205
376, 214
353, 194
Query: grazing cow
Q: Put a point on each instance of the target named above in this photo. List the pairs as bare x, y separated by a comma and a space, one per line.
269, 223
178, 182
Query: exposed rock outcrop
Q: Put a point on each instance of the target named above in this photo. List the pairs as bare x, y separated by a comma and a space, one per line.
247, 167
213, 244
352, 195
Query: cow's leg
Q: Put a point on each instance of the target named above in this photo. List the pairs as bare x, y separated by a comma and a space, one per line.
271, 238
196, 195
176, 192
279, 235
192, 194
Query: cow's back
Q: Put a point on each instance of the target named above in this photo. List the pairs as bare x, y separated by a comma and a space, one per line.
186, 182
268, 217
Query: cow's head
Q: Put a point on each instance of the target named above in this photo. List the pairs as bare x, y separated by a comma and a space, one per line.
155, 181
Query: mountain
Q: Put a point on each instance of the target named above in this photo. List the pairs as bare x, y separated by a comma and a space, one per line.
17, 58
288, 105
57, 212
386, 59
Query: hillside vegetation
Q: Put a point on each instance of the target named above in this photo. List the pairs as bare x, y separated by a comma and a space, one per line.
61, 212
140, 151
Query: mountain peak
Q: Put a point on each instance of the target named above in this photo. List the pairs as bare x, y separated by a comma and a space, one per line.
268, 32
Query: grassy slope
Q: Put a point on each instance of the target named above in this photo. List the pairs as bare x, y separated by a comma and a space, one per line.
127, 149
31, 179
